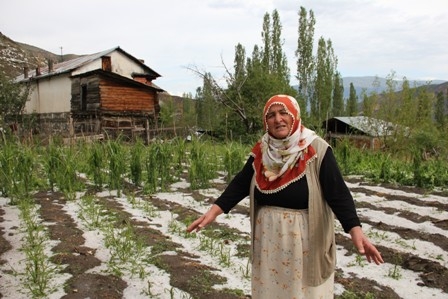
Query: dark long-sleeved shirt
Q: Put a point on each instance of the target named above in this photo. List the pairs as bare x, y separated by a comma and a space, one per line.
295, 195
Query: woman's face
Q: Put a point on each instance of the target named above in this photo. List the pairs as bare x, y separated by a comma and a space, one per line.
279, 121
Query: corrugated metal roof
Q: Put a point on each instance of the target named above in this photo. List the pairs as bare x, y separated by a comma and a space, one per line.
368, 125
65, 66
69, 65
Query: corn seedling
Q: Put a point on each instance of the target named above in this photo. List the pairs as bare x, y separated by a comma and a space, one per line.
172, 292
215, 248
121, 243
179, 151
147, 291
26, 171
234, 157
374, 234
61, 165
165, 162
130, 197
201, 170
127, 251
151, 180
117, 165
150, 210
178, 228
352, 295
90, 212
68, 182
175, 228
403, 244
206, 243
246, 269
39, 271
395, 271
135, 166
8, 152
359, 261
21, 168
224, 255
97, 164
158, 166
53, 164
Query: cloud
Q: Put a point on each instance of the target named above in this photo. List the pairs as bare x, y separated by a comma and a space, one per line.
370, 37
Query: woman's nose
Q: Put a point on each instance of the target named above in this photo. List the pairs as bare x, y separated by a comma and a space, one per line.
278, 117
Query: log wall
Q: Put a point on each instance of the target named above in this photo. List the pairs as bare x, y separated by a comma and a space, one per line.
118, 97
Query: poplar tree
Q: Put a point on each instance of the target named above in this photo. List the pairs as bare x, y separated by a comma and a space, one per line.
239, 65
338, 96
189, 114
304, 54
237, 79
352, 103
207, 105
243, 89
389, 102
167, 116
402, 114
368, 103
279, 61
406, 111
266, 37
440, 112
425, 105
274, 60
323, 86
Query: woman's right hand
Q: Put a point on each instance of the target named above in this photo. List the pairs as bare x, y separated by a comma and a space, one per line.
205, 219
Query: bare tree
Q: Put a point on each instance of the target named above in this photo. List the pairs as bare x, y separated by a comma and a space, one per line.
233, 101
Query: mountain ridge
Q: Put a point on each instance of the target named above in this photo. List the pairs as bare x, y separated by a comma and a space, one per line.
370, 84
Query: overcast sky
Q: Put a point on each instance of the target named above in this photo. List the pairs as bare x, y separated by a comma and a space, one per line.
369, 37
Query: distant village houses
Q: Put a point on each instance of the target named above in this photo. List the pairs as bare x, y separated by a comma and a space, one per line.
109, 93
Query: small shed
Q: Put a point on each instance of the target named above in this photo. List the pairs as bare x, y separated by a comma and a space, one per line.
362, 131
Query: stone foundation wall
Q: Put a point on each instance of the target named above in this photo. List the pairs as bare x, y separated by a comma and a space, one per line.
67, 125
54, 124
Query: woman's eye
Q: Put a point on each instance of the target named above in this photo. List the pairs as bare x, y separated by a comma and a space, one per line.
273, 114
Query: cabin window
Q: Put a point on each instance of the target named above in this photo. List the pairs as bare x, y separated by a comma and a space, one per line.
83, 97
106, 63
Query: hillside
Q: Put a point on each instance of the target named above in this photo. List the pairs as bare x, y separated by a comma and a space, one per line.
14, 56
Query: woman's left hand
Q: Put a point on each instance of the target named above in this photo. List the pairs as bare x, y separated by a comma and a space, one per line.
205, 219
364, 246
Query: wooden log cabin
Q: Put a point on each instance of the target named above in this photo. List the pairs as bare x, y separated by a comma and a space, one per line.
110, 93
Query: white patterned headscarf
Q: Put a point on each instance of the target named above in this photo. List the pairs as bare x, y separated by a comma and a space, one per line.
281, 155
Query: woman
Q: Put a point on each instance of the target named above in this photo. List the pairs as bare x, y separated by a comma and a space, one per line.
296, 188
